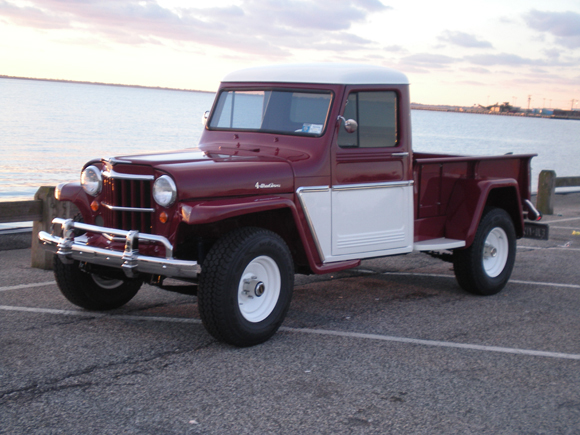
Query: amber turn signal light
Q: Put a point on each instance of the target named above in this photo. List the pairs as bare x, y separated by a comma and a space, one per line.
163, 217
95, 205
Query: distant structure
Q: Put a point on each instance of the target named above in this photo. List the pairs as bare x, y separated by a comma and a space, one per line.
566, 114
505, 109
500, 108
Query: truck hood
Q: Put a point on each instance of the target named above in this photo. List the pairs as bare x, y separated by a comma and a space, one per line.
198, 174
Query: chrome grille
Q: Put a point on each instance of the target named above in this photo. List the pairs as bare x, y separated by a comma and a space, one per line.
127, 201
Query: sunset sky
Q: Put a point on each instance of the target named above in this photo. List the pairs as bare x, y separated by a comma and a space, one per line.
457, 52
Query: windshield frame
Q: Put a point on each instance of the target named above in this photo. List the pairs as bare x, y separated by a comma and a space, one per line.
301, 90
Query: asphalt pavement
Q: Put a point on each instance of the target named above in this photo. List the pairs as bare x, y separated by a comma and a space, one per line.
391, 347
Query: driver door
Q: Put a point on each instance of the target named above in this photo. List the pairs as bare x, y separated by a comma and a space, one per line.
372, 188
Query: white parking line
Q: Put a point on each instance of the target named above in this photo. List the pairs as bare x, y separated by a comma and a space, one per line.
514, 281
21, 286
562, 220
551, 248
96, 315
433, 343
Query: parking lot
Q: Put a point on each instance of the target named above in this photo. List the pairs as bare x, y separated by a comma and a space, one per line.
391, 347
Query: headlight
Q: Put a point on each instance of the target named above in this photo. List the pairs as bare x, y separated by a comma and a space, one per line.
92, 181
164, 191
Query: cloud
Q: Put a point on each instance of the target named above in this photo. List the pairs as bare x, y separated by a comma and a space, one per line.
464, 40
502, 59
263, 27
565, 26
32, 17
476, 70
428, 60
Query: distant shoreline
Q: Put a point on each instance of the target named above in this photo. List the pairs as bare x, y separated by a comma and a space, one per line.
414, 106
104, 84
479, 111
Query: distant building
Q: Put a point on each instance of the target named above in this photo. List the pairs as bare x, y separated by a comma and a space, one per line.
567, 114
501, 108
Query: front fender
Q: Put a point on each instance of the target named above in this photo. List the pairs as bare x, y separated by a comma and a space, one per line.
204, 212
74, 193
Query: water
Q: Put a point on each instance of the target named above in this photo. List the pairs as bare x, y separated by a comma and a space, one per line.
48, 130
555, 141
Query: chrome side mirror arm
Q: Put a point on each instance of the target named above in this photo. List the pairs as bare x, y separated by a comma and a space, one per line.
350, 125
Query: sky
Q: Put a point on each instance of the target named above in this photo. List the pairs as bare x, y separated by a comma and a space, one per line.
454, 52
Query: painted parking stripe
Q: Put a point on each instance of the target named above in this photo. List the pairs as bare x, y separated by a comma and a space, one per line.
514, 281
366, 271
22, 286
562, 220
97, 315
435, 343
376, 337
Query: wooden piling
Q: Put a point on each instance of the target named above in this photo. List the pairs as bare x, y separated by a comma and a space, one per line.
546, 190
51, 208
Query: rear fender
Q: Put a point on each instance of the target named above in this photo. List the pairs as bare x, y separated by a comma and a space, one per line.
469, 199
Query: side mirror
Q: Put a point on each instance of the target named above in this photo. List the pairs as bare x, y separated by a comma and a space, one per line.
204, 117
350, 125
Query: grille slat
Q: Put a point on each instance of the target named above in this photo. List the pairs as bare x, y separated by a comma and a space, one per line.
133, 193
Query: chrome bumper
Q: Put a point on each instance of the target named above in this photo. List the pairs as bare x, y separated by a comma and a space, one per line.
70, 248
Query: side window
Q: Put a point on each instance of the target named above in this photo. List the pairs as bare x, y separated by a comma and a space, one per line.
376, 115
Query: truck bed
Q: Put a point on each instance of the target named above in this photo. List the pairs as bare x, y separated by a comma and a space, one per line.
448, 189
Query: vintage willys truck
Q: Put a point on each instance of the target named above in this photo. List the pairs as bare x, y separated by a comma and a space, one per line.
300, 169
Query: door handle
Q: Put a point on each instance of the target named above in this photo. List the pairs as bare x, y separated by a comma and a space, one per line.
400, 154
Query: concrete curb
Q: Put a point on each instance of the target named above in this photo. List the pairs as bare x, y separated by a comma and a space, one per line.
15, 238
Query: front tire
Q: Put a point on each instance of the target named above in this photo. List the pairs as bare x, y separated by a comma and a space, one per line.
245, 286
91, 291
486, 266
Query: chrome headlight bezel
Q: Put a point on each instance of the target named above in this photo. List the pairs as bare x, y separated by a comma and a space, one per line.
164, 191
92, 180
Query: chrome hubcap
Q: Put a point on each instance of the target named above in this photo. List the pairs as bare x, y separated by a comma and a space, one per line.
259, 289
495, 252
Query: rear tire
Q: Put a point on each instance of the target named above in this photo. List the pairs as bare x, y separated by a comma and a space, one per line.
92, 291
486, 266
245, 286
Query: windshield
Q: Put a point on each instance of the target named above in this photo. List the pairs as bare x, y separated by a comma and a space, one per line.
273, 111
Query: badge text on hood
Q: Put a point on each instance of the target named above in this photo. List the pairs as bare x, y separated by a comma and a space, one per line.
266, 186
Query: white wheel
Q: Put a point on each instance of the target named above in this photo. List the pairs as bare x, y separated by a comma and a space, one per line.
106, 283
259, 289
485, 267
91, 291
245, 286
495, 252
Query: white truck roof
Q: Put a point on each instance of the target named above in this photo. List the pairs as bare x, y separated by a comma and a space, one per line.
326, 73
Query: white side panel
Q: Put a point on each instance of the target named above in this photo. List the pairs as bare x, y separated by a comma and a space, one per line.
350, 223
371, 221
316, 203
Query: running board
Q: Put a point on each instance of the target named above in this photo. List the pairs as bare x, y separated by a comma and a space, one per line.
438, 244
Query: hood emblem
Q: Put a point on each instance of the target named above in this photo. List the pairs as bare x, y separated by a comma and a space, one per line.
266, 186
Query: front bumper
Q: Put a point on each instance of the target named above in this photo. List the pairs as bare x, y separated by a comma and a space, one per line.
70, 248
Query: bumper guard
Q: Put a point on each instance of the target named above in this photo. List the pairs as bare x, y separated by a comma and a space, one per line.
70, 248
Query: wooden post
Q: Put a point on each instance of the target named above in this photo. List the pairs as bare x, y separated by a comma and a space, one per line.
546, 190
51, 208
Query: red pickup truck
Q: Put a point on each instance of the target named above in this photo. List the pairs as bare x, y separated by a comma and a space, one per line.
300, 169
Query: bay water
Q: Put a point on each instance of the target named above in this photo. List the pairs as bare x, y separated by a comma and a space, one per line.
48, 130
